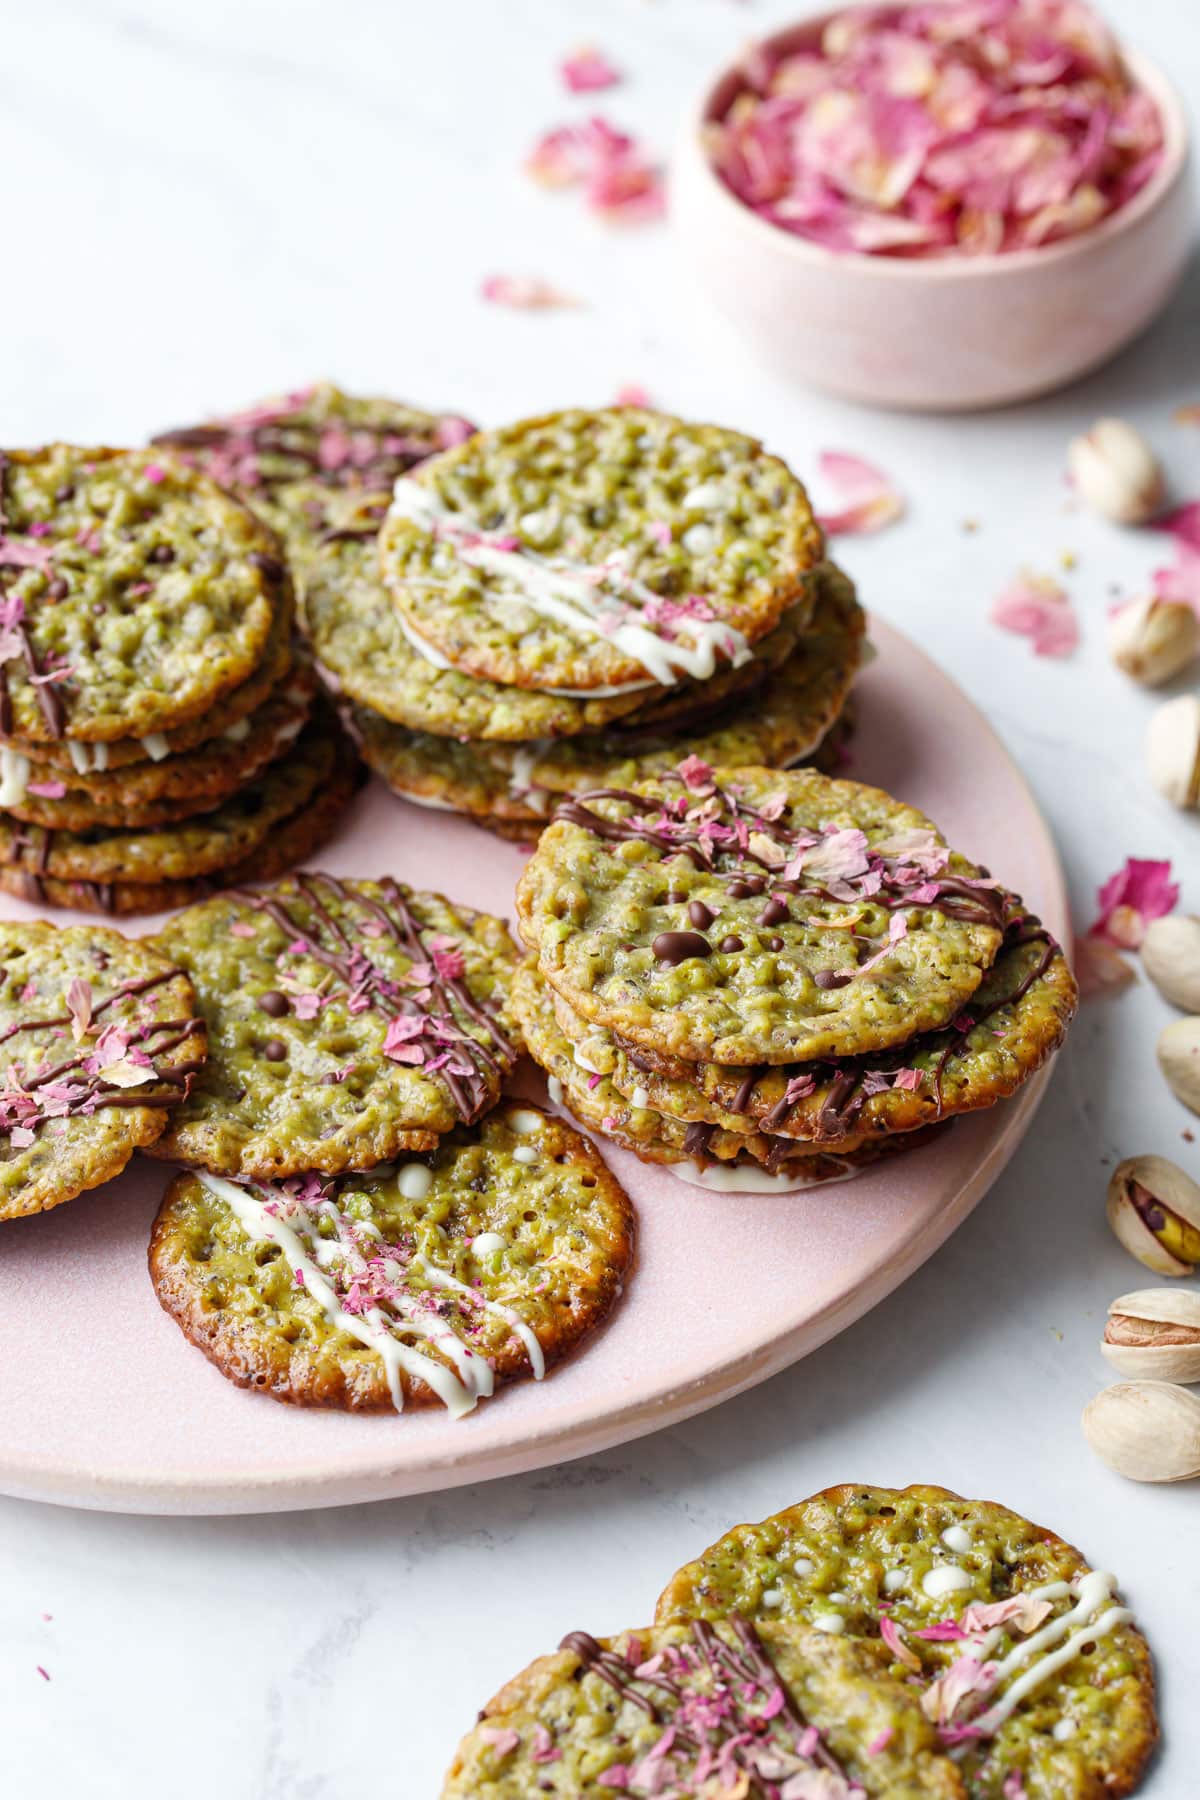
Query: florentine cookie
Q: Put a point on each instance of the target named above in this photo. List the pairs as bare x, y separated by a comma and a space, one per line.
293, 838
588, 551
192, 847
175, 787
135, 593
98, 1037
704, 1155
1016, 1019
228, 715
756, 916
285, 456
432, 1281
782, 721
1033, 1671
347, 1021
701, 1711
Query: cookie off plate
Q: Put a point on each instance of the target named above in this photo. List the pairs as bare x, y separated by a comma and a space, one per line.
103, 1403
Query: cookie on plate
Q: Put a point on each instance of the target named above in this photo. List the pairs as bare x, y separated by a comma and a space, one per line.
784, 719
99, 1037
1030, 1666
136, 593
756, 916
348, 1021
701, 1711
588, 552
285, 457
431, 1281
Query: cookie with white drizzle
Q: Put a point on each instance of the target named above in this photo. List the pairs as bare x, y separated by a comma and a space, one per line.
99, 1037
424, 1283
348, 1021
134, 593
593, 552
782, 721
703, 1155
288, 457
1016, 1019
699, 1711
162, 791
1034, 1674
228, 717
756, 916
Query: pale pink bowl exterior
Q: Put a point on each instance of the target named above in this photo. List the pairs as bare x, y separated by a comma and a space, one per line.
946, 334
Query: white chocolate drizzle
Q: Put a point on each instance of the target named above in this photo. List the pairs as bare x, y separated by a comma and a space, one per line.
87, 758
156, 746
1061, 1639
573, 594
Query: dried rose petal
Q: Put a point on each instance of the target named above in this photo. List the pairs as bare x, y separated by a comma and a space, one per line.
1038, 608
588, 70
869, 499
526, 292
1100, 969
1128, 900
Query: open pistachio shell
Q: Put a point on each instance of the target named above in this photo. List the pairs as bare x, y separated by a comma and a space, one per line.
1154, 1210
1171, 958
1154, 1334
1146, 1430
1179, 1060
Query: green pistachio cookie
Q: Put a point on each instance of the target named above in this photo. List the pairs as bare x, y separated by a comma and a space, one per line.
424, 1282
589, 551
98, 1038
291, 840
159, 793
698, 1711
193, 846
1015, 1020
136, 593
347, 1021
1026, 1660
286, 457
751, 915
230, 712
710, 1155
782, 721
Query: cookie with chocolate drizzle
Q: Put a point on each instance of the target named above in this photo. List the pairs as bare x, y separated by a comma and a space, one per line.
699, 1710
348, 1021
422, 1283
134, 593
290, 456
755, 916
99, 1039
1025, 1660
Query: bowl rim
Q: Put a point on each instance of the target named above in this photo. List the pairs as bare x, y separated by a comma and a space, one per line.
1147, 74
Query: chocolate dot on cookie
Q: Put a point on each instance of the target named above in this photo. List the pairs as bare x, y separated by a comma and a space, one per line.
831, 978
275, 1050
274, 1004
774, 912
700, 915
746, 886
731, 945
677, 946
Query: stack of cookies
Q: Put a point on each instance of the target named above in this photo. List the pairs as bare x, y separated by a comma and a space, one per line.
769, 979
868, 1643
369, 1224
569, 600
158, 735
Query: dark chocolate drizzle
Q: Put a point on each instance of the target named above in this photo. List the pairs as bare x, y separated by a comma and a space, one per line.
471, 1064
741, 1670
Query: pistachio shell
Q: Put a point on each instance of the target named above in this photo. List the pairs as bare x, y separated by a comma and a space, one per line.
1146, 1430
1179, 1060
1155, 1333
1152, 640
1171, 958
1167, 1185
1115, 472
1173, 750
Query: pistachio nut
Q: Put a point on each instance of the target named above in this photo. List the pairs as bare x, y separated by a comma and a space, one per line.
1154, 1210
1171, 958
1173, 751
1155, 1333
1116, 472
1179, 1060
1151, 640
1146, 1430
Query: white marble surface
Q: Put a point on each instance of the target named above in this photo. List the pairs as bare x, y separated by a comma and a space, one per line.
206, 202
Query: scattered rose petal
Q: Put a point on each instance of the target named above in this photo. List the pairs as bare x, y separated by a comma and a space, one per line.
869, 499
1036, 607
1183, 524
241, 929
890, 1632
694, 772
528, 293
1128, 900
503, 1739
634, 395
154, 473
1180, 580
1100, 969
588, 70
618, 178
879, 1744
79, 1005
47, 790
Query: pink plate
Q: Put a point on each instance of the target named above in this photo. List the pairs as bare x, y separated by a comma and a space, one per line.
103, 1403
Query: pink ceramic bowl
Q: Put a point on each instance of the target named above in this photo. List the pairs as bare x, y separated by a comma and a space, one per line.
935, 334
